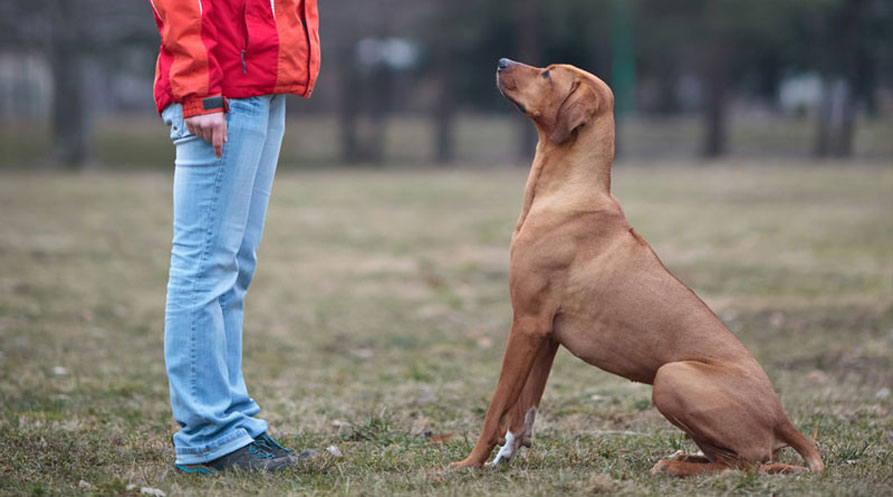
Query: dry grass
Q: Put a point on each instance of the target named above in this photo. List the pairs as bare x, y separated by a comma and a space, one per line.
379, 314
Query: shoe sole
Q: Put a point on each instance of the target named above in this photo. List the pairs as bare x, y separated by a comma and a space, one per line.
191, 470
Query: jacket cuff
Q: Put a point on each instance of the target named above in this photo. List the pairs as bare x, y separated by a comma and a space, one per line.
196, 106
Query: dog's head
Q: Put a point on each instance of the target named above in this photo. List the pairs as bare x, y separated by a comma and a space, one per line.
559, 98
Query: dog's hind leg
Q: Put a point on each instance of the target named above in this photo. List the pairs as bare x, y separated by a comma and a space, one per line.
687, 468
518, 427
730, 413
781, 468
686, 465
689, 458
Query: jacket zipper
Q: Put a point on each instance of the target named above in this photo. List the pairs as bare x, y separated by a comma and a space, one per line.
309, 45
245, 36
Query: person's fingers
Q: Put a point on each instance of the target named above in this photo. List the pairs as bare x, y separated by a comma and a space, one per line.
207, 128
218, 133
225, 135
197, 129
204, 133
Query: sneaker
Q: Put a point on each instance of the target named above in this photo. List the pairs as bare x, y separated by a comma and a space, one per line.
252, 457
271, 445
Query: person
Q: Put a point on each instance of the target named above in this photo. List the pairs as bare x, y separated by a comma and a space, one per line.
223, 71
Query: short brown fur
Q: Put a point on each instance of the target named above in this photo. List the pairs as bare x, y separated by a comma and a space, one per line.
581, 277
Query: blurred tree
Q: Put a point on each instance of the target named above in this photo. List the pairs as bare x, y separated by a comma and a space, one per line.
528, 28
623, 62
69, 33
719, 46
876, 55
841, 66
727, 41
357, 32
354, 19
379, 79
72, 124
343, 46
666, 57
623, 65
845, 42
465, 41
443, 43
851, 34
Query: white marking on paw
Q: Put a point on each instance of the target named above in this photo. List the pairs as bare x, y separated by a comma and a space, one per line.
679, 453
529, 419
512, 443
508, 449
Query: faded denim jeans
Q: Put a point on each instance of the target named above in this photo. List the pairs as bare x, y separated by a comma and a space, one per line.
219, 210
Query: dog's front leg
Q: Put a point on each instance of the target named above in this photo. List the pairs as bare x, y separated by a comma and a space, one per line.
520, 419
525, 340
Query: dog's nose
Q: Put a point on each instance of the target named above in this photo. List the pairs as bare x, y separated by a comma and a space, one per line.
504, 64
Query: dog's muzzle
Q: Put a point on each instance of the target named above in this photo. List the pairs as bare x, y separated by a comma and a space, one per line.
504, 64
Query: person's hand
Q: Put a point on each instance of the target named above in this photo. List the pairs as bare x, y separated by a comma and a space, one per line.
209, 127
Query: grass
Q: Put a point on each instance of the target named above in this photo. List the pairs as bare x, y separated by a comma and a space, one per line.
378, 316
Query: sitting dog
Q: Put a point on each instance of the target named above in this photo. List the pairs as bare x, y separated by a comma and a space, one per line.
581, 277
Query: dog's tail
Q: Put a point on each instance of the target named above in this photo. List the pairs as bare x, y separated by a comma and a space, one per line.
789, 435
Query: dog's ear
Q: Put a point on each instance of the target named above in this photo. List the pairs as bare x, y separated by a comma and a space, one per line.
577, 109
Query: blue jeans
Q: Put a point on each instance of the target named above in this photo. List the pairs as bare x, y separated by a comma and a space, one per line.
219, 210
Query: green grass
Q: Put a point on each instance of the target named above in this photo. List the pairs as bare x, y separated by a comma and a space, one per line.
379, 313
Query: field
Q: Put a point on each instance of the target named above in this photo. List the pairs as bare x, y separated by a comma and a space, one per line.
141, 142
379, 313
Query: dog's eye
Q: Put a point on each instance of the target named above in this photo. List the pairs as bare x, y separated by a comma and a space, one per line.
546, 74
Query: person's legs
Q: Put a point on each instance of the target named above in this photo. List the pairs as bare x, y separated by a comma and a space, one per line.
232, 301
212, 202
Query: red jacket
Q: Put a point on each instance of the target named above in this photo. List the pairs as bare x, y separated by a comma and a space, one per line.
234, 49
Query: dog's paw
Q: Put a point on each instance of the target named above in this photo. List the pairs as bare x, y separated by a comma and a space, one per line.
508, 450
661, 467
676, 456
464, 463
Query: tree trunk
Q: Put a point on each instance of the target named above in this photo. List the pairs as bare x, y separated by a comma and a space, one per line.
446, 143
623, 66
715, 114
668, 101
347, 108
821, 146
843, 140
527, 26
444, 118
715, 72
852, 31
837, 108
716, 81
71, 123
382, 83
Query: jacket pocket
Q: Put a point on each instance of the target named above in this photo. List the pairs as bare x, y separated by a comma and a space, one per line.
260, 38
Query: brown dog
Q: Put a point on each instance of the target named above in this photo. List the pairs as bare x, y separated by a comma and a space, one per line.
581, 277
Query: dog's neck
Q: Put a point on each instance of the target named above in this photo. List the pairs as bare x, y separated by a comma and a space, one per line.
579, 170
